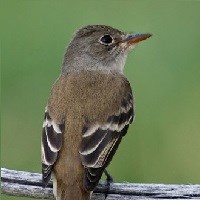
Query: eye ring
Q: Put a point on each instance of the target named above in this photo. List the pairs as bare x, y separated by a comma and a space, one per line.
106, 39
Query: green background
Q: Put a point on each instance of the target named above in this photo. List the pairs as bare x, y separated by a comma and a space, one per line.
163, 144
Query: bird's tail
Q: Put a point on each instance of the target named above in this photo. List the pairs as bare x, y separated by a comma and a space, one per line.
72, 192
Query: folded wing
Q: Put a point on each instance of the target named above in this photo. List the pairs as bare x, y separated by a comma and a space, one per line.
51, 144
100, 141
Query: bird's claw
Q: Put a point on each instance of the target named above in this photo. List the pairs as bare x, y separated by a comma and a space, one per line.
109, 181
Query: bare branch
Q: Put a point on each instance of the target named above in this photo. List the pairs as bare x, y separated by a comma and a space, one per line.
26, 184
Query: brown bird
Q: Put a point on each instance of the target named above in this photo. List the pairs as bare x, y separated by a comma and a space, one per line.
88, 112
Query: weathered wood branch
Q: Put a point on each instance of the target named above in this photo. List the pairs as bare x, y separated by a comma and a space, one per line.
26, 184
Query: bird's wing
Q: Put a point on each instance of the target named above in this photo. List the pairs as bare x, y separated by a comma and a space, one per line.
51, 144
100, 141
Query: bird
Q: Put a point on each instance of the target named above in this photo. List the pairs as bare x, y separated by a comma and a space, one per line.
89, 110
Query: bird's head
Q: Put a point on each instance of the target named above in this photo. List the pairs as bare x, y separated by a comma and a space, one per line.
99, 47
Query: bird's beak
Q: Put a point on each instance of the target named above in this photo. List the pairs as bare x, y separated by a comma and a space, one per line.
133, 39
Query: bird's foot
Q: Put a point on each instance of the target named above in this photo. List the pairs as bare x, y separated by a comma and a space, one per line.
109, 181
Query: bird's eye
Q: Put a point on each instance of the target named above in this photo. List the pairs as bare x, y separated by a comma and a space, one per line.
106, 39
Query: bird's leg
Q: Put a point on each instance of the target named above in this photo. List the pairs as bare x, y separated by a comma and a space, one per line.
109, 180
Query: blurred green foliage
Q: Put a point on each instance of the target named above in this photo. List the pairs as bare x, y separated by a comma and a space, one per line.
163, 144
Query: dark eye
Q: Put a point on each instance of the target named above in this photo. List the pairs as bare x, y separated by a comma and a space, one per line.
106, 39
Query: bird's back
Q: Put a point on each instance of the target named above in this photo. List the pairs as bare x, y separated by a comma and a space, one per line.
78, 99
